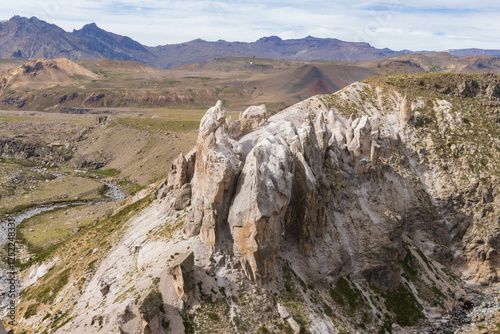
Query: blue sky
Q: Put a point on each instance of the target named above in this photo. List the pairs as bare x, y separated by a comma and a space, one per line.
396, 24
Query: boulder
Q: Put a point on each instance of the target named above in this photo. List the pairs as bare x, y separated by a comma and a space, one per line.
182, 271
129, 321
294, 325
233, 127
468, 88
284, 312
152, 313
253, 118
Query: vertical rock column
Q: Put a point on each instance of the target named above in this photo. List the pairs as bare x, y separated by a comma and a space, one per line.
359, 142
256, 216
216, 170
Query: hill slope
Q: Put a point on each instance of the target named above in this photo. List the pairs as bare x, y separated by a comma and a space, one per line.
45, 73
43, 85
351, 212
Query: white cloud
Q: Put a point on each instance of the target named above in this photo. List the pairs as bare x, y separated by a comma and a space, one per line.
397, 24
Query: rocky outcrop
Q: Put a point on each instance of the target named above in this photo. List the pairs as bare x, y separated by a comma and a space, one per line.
152, 313
216, 170
257, 213
29, 149
128, 320
405, 110
329, 221
93, 160
252, 118
285, 314
282, 190
183, 198
181, 172
182, 271
80, 111
359, 143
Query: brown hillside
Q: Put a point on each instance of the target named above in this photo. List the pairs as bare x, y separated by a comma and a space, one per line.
44, 73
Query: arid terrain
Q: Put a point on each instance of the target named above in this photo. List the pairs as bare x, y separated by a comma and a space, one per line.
360, 198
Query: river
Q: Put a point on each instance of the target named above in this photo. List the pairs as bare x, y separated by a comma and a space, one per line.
113, 193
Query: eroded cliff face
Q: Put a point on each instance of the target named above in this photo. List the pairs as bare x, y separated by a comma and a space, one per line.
347, 212
326, 185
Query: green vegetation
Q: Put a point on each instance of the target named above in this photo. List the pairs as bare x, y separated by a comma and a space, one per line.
107, 172
131, 187
292, 296
347, 295
91, 244
48, 229
404, 306
189, 326
413, 271
71, 189
171, 83
204, 79
349, 298
78, 77
31, 311
159, 124
109, 74
17, 177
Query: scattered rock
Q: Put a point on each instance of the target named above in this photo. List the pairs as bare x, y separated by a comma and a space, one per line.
181, 270
284, 312
294, 325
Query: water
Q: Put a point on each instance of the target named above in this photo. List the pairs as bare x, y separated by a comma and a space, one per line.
113, 192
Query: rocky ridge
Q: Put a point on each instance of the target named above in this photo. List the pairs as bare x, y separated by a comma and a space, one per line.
350, 212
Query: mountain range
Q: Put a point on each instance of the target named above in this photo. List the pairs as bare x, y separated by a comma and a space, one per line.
31, 38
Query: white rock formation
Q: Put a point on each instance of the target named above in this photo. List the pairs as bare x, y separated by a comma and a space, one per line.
217, 167
253, 118
257, 213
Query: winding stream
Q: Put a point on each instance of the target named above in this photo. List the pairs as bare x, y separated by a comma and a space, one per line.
113, 192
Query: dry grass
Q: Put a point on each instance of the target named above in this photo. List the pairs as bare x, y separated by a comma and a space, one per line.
85, 249
52, 227
69, 188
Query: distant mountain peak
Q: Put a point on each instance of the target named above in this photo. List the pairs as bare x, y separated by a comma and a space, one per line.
33, 38
270, 39
90, 27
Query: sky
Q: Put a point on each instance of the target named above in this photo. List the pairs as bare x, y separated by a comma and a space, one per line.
395, 24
